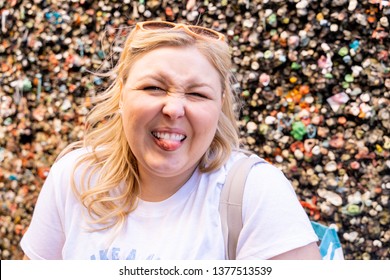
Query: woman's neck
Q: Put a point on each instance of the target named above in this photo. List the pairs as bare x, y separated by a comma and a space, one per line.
156, 188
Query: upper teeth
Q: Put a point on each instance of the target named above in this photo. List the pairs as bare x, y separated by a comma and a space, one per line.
169, 136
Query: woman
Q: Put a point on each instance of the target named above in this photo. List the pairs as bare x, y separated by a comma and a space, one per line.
146, 181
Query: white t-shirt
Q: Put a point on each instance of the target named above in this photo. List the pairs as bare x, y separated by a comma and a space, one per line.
183, 227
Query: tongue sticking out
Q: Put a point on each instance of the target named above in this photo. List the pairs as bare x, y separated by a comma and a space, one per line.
168, 141
168, 145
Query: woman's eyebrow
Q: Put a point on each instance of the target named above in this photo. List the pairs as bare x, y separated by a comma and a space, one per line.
164, 79
156, 77
199, 85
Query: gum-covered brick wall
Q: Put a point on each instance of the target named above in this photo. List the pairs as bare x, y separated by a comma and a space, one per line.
313, 75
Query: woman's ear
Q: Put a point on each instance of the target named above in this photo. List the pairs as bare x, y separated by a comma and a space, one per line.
224, 100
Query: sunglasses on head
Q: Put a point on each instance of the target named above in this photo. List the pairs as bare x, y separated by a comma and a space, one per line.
192, 29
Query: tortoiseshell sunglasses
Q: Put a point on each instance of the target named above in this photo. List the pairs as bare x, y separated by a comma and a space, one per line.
192, 29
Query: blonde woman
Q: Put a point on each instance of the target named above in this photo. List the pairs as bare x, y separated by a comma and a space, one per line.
145, 182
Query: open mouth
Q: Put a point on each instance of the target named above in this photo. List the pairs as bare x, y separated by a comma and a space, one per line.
168, 141
169, 136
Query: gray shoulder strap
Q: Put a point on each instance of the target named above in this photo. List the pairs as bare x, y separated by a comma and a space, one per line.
230, 207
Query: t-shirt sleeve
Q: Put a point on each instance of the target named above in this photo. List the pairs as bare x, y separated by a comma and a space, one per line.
45, 237
274, 221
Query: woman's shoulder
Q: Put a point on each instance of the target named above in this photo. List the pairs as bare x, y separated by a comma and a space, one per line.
66, 162
72, 156
239, 157
260, 170
234, 158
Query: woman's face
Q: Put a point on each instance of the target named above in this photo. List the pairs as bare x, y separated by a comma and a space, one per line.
171, 103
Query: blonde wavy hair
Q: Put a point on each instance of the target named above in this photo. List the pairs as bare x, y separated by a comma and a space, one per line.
113, 194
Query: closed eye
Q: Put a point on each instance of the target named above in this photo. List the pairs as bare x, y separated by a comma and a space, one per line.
153, 88
198, 95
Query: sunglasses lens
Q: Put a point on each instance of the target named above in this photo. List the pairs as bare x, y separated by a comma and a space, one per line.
204, 32
157, 25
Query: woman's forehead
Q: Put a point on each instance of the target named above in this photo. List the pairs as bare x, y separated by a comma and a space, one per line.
171, 62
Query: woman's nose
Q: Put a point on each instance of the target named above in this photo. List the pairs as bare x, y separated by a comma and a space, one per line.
174, 106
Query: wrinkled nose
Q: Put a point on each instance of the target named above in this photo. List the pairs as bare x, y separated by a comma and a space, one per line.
174, 107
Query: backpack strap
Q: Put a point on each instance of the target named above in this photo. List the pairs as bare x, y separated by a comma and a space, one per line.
230, 206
